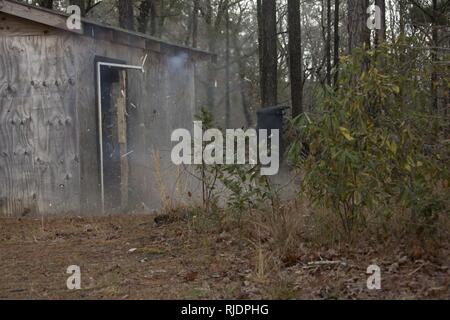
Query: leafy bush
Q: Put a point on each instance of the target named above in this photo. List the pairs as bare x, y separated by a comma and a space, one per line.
241, 187
375, 143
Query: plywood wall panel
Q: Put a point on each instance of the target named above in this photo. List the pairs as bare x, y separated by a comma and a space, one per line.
44, 168
49, 153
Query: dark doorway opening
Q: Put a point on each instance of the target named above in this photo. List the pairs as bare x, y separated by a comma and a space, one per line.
114, 136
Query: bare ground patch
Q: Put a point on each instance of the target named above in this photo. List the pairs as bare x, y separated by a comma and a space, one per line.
175, 262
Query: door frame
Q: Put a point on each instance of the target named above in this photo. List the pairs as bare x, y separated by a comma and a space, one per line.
99, 63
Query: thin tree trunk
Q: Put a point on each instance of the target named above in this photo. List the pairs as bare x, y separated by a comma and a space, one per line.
126, 14
213, 27
195, 23
328, 43
336, 40
153, 17
161, 18
227, 68
434, 55
242, 81
261, 45
295, 56
358, 33
269, 67
402, 11
381, 33
210, 85
145, 10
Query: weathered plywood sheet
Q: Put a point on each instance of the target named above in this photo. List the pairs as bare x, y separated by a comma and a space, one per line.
11, 26
49, 152
39, 15
158, 101
40, 146
85, 52
18, 189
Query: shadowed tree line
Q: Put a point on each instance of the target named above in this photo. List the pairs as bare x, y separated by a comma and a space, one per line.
273, 52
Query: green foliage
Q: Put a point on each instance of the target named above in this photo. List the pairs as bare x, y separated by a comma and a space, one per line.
247, 188
244, 188
208, 174
375, 144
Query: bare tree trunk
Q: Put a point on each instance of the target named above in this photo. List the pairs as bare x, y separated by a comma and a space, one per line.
161, 18
211, 83
295, 56
146, 12
434, 55
227, 68
402, 9
213, 27
196, 9
447, 104
126, 14
262, 66
153, 18
328, 44
358, 33
193, 25
269, 68
381, 33
242, 82
336, 40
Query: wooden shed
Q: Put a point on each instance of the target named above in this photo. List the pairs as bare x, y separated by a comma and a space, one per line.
72, 142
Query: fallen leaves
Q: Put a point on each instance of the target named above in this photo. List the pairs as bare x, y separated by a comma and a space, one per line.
191, 276
144, 262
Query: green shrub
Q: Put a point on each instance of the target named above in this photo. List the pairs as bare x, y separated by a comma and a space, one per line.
240, 187
375, 143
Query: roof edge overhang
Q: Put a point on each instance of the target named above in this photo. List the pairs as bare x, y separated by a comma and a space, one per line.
97, 30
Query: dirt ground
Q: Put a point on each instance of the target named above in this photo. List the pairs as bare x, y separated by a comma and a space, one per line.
129, 257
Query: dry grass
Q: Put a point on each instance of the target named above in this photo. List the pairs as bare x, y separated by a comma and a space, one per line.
285, 252
176, 197
174, 261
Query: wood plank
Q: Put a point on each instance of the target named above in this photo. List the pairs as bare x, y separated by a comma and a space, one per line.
18, 186
18, 193
11, 26
54, 113
44, 168
84, 52
120, 105
129, 40
101, 33
39, 15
